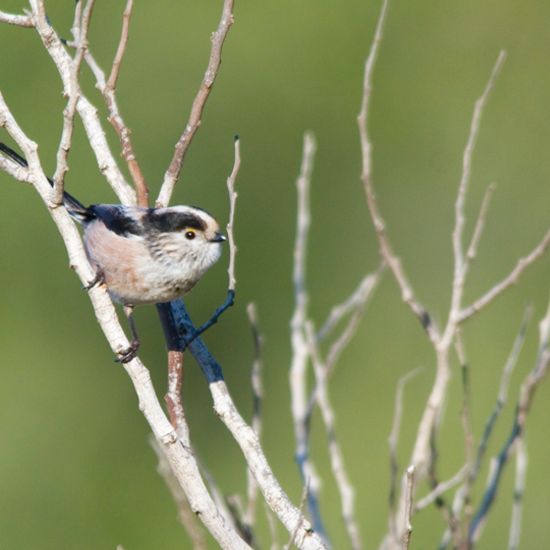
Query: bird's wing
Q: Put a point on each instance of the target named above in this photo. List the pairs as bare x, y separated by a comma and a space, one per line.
122, 220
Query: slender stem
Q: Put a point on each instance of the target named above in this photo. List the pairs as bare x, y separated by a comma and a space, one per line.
218, 38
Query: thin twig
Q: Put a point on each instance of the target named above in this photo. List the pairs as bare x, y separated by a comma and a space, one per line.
300, 352
519, 489
232, 202
480, 223
80, 29
174, 169
339, 471
257, 396
441, 488
108, 90
409, 507
393, 437
386, 251
511, 279
294, 533
345, 337
465, 413
115, 69
461, 263
349, 305
525, 400
87, 112
502, 397
462, 497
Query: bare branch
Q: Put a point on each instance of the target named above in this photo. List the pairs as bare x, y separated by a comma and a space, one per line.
232, 202
115, 118
86, 110
303, 501
526, 395
409, 508
108, 90
386, 250
174, 169
519, 489
340, 344
461, 264
16, 19
173, 397
121, 49
306, 538
480, 223
511, 279
300, 352
441, 489
465, 412
393, 438
257, 396
345, 487
20, 173
353, 302
80, 30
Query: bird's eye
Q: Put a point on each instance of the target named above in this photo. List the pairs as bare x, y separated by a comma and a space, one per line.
190, 234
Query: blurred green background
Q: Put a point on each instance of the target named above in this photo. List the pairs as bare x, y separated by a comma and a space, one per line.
76, 469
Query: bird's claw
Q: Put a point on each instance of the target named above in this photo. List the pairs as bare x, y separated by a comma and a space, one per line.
98, 280
128, 354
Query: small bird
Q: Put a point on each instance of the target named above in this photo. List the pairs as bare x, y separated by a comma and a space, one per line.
144, 255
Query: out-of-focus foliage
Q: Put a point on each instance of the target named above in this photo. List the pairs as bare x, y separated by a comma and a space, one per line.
76, 469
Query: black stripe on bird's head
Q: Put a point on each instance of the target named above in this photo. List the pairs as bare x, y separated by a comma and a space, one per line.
175, 219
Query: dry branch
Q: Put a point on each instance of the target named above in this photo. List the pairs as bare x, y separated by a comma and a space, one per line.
16, 19
300, 351
218, 38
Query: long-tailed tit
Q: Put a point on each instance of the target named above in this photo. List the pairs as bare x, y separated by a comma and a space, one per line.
144, 255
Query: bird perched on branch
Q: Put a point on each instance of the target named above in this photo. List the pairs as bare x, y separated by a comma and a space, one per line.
143, 255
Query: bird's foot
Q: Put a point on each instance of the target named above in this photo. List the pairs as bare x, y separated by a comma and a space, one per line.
128, 354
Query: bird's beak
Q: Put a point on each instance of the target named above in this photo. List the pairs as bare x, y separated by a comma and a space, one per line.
218, 238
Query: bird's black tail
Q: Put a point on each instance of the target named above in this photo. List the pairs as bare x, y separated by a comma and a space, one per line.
75, 208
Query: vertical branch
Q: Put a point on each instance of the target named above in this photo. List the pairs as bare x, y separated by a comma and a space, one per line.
393, 440
232, 202
300, 353
461, 263
218, 38
108, 90
480, 223
465, 413
86, 111
519, 489
525, 400
409, 507
386, 251
72, 92
345, 487
257, 396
